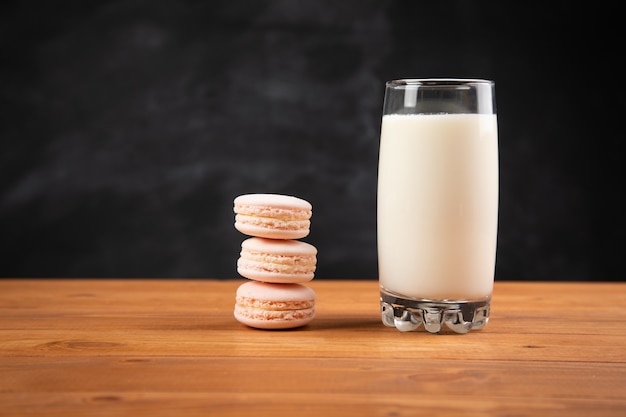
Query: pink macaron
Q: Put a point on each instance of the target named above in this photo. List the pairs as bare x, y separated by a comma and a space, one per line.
277, 260
273, 216
274, 306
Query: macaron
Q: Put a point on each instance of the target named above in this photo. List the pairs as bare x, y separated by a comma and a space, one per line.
274, 306
277, 260
272, 216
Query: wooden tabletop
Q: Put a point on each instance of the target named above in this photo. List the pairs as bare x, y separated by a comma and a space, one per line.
172, 347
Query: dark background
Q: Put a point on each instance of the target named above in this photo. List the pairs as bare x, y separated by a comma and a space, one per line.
128, 127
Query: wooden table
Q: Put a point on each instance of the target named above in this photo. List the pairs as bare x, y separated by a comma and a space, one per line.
172, 347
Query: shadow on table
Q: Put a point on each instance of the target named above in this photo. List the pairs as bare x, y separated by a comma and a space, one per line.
345, 323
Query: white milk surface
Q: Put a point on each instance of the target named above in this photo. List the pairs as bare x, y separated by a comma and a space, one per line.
438, 205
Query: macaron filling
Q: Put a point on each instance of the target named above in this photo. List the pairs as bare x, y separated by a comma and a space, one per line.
273, 315
273, 222
280, 264
273, 305
274, 212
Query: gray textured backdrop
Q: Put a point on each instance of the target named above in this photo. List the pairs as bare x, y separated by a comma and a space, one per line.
128, 127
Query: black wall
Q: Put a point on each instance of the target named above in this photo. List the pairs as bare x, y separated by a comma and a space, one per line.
128, 127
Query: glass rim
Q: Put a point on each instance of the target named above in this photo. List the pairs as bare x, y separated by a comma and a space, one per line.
403, 82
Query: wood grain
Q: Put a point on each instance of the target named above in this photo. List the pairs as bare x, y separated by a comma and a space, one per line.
172, 347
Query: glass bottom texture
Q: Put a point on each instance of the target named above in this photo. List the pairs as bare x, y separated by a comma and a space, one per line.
409, 314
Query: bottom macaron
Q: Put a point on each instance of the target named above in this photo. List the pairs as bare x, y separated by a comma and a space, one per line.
274, 306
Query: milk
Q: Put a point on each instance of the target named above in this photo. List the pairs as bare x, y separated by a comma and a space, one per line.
438, 205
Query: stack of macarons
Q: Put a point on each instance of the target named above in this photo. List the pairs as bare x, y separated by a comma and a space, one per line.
276, 263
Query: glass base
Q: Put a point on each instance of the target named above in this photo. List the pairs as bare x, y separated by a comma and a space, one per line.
407, 314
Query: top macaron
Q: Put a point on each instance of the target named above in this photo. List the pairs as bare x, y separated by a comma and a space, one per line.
272, 216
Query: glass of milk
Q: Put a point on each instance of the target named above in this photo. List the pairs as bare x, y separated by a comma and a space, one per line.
437, 204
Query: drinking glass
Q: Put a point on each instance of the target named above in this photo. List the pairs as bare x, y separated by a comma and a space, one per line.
437, 204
